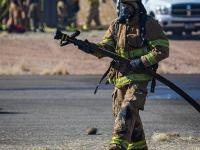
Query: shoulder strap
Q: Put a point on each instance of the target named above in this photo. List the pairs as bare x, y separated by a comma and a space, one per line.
115, 30
103, 77
143, 20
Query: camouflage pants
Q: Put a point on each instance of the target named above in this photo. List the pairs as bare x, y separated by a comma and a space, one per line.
93, 15
127, 102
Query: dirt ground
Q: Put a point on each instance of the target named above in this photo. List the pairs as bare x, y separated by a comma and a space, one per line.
40, 54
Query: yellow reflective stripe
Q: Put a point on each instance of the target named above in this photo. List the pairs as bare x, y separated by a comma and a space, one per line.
100, 44
105, 40
159, 42
119, 142
133, 53
122, 53
4, 8
105, 46
108, 42
137, 145
3, 2
151, 58
121, 81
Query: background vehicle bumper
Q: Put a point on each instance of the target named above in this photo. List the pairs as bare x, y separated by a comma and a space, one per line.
170, 23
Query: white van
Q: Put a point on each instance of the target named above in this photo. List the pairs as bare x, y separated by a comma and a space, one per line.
177, 16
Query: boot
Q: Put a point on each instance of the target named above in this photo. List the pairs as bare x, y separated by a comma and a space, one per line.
115, 147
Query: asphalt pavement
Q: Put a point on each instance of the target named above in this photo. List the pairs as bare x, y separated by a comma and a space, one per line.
40, 112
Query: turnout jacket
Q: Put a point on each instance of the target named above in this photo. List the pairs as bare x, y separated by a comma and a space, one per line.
125, 40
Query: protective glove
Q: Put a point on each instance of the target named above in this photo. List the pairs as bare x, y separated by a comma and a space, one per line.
137, 64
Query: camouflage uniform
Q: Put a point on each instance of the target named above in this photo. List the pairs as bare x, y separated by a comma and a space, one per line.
93, 13
130, 91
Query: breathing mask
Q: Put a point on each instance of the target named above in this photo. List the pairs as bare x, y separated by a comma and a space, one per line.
126, 10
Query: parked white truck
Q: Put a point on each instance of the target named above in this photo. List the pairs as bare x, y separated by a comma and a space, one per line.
177, 16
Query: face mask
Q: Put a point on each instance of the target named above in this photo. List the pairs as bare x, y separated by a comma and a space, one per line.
125, 12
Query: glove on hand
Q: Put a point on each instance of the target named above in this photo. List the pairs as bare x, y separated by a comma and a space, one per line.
86, 47
137, 64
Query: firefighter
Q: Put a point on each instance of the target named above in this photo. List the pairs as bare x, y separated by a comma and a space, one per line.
35, 15
14, 23
138, 37
4, 13
14, 13
93, 14
73, 8
24, 12
62, 14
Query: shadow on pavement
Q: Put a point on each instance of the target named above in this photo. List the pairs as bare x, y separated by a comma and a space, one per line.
11, 113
